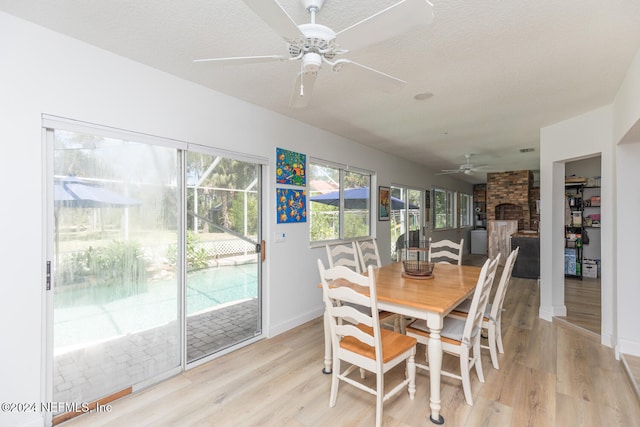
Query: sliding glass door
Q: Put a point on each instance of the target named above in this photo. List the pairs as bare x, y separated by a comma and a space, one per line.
155, 259
116, 289
406, 220
222, 253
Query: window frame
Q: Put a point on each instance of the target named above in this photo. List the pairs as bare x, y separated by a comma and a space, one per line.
450, 206
372, 201
465, 219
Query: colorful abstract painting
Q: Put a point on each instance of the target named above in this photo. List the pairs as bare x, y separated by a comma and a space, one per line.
291, 168
292, 205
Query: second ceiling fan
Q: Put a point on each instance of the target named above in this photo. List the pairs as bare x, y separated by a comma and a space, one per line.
314, 44
467, 168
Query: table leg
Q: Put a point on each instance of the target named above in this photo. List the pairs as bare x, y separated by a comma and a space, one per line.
328, 358
434, 322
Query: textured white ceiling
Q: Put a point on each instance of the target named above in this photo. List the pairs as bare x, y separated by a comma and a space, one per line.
499, 69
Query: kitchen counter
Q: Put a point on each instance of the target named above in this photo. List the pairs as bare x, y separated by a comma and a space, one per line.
527, 265
525, 233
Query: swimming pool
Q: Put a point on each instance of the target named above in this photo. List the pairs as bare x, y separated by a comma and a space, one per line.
88, 315
215, 286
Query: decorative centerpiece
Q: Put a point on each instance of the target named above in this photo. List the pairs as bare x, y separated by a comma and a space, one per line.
416, 269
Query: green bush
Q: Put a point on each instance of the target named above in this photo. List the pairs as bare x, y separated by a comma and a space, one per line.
119, 264
196, 255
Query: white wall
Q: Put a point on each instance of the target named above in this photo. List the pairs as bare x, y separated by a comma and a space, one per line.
628, 279
44, 72
583, 136
598, 131
627, 131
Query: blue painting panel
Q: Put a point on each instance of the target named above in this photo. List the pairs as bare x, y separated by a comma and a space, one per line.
292, 205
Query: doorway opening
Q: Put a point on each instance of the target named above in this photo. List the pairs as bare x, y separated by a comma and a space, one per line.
582, 286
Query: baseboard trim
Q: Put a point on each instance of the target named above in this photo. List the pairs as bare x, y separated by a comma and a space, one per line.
568, 325
549, 312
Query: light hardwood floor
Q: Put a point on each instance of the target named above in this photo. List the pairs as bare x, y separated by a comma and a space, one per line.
550, 375
584, 310
582, 300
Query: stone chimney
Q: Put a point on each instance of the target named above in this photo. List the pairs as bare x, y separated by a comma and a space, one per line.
508, 197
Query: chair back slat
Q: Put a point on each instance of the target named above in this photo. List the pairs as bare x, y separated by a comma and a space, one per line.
368, 254
343, 255
349, 330
446, 251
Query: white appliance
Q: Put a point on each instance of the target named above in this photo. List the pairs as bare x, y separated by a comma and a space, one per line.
479, 242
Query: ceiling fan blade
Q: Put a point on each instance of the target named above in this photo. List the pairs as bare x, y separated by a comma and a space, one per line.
240, 60
449, 172
383, 81
302, 90
276, 17
386, 24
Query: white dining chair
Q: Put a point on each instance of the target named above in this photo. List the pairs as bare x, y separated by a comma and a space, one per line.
461, 337
347, 255
445, 251
492, 319
358, 339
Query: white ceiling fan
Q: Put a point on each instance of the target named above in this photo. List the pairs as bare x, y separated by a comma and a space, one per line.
314, 44
467, 168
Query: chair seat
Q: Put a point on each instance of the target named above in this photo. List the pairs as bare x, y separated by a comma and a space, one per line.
393, 344
452, 329
465, 305
382, 315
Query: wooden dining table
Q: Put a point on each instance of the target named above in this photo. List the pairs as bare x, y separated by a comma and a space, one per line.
428, 299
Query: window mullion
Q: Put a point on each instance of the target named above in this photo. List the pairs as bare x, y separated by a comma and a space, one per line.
341, 212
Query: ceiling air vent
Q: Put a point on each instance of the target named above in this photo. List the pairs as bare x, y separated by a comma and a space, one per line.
527, 150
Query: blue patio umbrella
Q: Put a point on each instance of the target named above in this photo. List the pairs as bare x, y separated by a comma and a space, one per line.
355, 198
75, 193
71, 192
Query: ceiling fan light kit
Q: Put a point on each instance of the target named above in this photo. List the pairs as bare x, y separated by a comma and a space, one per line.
314, 44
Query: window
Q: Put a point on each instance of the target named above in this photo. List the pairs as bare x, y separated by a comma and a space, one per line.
444, 208
466, 210
340, 202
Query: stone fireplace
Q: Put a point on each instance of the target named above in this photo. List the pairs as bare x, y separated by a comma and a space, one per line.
508, 197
